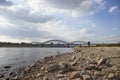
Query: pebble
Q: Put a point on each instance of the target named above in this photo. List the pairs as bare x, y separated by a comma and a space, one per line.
27, 69
33, 65
65, 67
52, 67
102, 61
98, 73
10, 73
7, 66
92, 62
73, 57
43, 68
92, 67
77, 79
75, 74
45, 78
60, 75
1, 76
87, 77
73, 63
111, 75
16, 78
114, 68
38, 75
6, 79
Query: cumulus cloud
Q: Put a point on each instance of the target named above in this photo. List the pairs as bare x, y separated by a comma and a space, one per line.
5, 3
98, 1
30, 31
65, 4
113, 8
19, 13
44, 31
70, 7
35, 21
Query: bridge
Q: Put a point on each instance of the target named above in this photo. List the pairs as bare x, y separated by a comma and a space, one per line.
61, 43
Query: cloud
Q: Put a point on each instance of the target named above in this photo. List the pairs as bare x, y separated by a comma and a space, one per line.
29, 31
19, 13
99, 1
36, 21
43, 31
69, 7
66, 33
65, 4
85, 31
5, 3
113, 8
5, 38
112, 38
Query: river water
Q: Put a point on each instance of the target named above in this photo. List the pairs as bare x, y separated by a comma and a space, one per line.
25, 56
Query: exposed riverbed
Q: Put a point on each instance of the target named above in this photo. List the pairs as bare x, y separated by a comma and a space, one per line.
22, 57
85, 63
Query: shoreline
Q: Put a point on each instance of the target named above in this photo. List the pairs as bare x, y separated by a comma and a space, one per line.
84, 63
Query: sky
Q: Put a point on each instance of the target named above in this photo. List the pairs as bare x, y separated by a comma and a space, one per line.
68, 20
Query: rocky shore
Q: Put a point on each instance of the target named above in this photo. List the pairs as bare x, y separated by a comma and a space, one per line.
85, 63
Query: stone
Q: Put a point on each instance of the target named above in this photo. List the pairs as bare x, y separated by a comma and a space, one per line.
92, 67
43, 68
33, 65
114, 68
45, 78
26, 78
7, 78
60, 72
65, 67
98, 73
101, 61
1, 76
52, 67
73, 57
10, 73
111, 75
7, 66
49, 58
92, 62
87, 77
38, 75
27, 69
75, 74
73, 63
60, 75
77, 79
16, 78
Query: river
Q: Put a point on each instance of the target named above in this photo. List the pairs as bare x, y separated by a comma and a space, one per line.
25, 56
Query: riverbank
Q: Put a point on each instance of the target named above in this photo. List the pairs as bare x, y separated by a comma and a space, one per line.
85, 63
